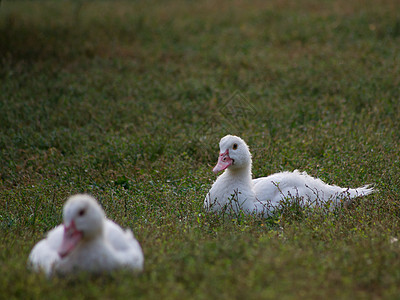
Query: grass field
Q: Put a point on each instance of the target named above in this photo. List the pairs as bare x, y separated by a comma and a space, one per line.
127, 101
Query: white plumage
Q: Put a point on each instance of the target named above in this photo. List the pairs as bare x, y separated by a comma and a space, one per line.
235, 190
87, 241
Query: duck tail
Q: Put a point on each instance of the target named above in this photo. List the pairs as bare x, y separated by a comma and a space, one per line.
361, 191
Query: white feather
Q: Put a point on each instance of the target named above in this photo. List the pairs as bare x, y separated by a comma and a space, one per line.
235, 190
111, 249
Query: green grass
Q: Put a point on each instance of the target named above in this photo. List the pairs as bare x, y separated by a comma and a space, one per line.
122, 100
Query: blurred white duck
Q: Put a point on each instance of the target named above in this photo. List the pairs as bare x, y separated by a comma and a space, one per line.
87, 241
235, 189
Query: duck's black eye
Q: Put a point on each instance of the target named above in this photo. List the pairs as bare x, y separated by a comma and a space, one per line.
234, 147
82, 212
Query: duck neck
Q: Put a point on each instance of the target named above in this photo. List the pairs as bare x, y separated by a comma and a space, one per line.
242, 174
96, 235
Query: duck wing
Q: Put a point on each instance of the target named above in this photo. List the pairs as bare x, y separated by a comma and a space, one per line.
44, 254
126, 248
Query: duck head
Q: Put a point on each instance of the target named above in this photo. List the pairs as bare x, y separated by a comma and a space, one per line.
233, 154
83, 220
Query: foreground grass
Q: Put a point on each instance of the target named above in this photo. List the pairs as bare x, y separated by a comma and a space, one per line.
125, 101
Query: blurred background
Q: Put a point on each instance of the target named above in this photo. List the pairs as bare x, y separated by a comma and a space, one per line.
127, 100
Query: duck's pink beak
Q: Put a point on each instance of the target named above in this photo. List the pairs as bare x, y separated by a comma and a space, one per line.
224, 161
71, 238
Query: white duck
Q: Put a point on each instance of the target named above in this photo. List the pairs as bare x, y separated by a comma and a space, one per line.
87, 241
235, 190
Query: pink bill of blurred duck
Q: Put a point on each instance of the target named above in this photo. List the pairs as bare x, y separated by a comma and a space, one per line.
71, 238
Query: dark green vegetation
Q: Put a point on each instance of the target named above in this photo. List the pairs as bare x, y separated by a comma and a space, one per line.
125, 100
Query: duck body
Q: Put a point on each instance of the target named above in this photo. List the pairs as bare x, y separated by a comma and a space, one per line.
87, 242
263, 195
116, 249
231, 193
298, 184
